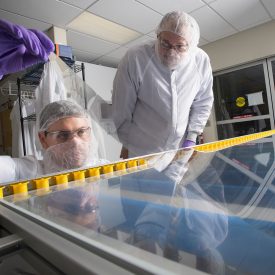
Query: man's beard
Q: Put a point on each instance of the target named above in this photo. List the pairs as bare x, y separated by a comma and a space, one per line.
171, 59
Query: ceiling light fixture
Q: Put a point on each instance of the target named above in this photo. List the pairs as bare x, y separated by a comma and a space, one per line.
99, 27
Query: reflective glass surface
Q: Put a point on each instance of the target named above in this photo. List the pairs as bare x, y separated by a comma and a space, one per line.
237, 129
210, 211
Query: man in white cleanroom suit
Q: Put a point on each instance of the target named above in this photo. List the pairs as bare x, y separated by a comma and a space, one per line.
65, 135
162, 93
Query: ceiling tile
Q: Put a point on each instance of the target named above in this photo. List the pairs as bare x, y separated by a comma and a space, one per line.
83, 4
216, 18
209, 1
270, 6
248, 14
24, 21
107, 61
88, 43
141, 40
212, 26
53, 12
164, 6
152, 34
118, 53
84, 56
138, 17
203, 42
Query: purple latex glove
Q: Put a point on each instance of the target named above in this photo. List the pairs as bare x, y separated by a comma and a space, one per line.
21, 48
188, 143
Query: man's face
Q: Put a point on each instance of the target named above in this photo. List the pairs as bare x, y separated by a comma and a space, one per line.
171, 49
65, 129
67, 142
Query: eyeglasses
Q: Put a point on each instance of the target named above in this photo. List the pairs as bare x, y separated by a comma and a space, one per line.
77, 209
180, 48
63, 136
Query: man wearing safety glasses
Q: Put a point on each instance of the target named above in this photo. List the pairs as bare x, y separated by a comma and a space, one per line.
66, 137
162, 94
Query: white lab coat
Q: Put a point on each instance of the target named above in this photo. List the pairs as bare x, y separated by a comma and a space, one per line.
30, 131
29, 167
154, 106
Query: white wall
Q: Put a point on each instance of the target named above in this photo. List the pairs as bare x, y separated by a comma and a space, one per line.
250, 45
100, 79
244, 47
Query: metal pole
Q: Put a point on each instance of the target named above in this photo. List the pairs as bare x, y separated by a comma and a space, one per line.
21, 116
84, 84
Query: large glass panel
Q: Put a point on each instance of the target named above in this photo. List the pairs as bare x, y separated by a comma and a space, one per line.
210, 211
241, 93
229, 130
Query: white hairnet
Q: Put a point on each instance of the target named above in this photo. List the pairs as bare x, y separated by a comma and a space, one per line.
58, 110
181, 24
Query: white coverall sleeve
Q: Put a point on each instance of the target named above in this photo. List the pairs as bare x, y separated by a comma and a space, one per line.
202, 104
13, 169
124, 98
7, 169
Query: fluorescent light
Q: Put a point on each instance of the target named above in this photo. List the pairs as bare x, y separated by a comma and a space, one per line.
91, 24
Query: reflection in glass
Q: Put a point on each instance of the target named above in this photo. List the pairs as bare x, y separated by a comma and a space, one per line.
210, 211
236, 129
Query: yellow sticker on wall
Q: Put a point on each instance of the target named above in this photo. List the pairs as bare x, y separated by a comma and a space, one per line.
240, 101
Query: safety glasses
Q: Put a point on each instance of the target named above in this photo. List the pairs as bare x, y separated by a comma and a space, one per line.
63, 136
165, 44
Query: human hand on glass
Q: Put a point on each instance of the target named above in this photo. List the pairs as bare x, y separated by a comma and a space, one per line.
21, 47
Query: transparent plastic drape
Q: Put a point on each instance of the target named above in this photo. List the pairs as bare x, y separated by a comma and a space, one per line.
59, 82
